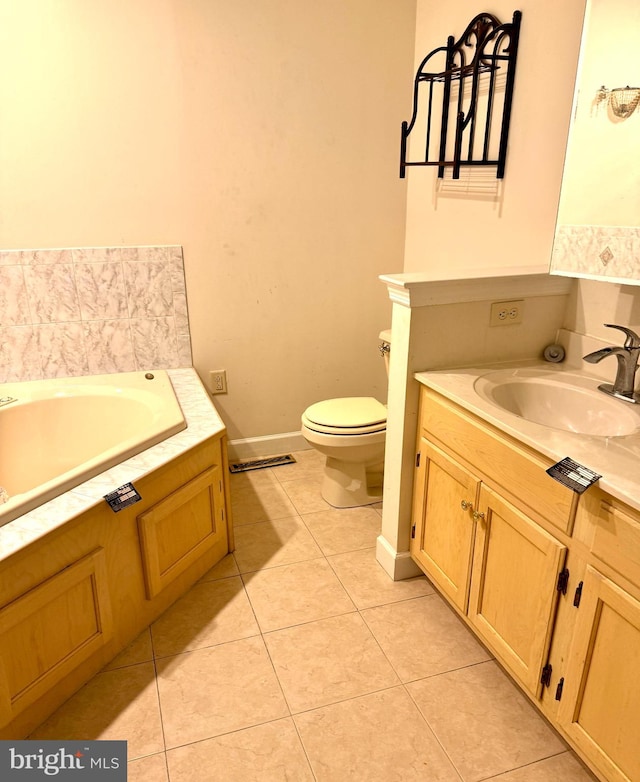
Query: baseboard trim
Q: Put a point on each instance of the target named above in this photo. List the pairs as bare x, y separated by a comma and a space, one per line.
268, 445
397, 564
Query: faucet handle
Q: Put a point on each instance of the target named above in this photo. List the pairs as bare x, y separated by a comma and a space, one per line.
632, 339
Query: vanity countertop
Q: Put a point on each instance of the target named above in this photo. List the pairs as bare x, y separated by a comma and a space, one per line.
203, 421
617, 459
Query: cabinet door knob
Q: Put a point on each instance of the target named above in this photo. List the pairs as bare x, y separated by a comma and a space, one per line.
466, 505
477, 515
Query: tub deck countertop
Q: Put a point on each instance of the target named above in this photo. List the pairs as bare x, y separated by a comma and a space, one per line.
203, 421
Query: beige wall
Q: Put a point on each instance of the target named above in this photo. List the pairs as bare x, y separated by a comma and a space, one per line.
604, 188
592, 304
487, 224
262, 135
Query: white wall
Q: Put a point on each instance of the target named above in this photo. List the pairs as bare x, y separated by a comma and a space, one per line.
604, 188
261, 135
456, 226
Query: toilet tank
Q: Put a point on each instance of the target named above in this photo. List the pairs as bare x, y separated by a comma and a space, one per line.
385, 347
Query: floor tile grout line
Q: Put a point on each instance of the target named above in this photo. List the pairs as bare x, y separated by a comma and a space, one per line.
160, 712
304, 748
346, 700
275, 673
531, 764
309, 622
282, 564
236, 525
434, 733
220, 735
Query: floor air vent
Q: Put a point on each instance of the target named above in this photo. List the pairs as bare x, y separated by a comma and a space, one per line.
259, 464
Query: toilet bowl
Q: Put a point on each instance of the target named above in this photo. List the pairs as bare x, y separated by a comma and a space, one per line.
350, 432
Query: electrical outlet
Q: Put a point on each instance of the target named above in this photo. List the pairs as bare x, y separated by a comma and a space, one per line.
218, 381
506, 313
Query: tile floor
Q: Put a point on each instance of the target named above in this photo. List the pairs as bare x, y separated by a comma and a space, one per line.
297, 658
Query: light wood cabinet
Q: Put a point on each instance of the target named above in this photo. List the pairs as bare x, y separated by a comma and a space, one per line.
514, 586
498, 567
549, 581
443, 530
72, 600
176, 531
600, 706
599, 710
52, 629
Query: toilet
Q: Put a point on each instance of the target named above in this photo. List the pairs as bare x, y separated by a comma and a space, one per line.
350, 432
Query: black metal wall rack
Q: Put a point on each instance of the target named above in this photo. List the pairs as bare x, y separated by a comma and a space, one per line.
476, 80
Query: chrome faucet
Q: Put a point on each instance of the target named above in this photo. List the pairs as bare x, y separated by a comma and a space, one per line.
623, 385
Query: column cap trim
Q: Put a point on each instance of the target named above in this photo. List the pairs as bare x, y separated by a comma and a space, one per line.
416, 289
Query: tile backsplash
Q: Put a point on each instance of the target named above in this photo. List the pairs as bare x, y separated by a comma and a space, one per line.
602, 251
88, 311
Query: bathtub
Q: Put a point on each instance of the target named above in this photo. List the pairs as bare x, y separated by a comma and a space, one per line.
56, 434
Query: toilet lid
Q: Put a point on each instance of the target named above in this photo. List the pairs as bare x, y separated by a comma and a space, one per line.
353, 412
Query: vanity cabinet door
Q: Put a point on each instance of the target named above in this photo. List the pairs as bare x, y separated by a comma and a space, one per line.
514, 586
443, 528
600, 706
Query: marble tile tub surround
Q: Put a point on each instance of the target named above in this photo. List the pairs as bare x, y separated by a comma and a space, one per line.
92, 310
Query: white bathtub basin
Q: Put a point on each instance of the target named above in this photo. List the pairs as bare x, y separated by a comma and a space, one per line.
59, 433
568, 401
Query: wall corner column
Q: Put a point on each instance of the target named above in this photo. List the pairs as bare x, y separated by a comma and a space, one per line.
392, 548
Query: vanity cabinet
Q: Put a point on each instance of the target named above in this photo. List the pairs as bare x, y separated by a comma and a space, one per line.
443, 531
599, 708
549, 580
514, 586
72, 600
498, 566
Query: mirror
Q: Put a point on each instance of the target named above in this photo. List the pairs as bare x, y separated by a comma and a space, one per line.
598, 228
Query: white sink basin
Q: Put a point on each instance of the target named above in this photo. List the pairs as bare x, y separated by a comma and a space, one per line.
559, 399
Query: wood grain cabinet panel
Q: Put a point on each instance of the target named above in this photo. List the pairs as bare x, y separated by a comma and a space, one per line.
600, 707
616, 540
177, 531
492, 561
50, 630
443, 526
518, 471
514, 586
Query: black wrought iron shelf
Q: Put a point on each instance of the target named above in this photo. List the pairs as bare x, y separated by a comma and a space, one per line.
478, 78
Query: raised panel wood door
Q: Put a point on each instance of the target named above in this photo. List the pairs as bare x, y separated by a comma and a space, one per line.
51, 630
600, 706
176, 531
442, 542
514, 586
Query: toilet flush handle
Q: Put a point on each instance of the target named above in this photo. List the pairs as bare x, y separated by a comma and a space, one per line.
384, 348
